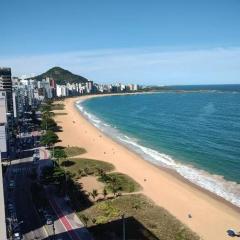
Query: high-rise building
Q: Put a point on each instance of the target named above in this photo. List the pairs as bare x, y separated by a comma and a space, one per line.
3, 125
89, 86
6, 85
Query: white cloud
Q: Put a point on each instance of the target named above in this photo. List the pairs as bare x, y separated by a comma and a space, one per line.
144, 66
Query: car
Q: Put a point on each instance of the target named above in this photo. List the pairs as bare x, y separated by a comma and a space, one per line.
17, 236
45, 213
36, 155
35, 162
10, 207
17, 232
11, 184
49, 220
36, 151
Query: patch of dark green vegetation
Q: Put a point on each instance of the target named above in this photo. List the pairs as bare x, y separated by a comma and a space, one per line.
60, 113
143, 220
57, 106
84, 166
119, 182
74, 151
62, 76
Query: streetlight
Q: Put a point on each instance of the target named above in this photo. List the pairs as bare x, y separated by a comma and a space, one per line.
124, 230
53, 230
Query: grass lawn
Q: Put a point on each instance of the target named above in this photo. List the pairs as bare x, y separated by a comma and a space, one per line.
123, 183
57, 106
59, 113
74, 151
143, 220
77, 166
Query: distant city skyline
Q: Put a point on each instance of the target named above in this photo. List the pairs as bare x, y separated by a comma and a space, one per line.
143, 42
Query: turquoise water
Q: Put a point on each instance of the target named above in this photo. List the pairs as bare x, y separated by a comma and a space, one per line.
196, 134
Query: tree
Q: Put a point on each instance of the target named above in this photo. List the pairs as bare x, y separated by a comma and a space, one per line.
85, 219
47, 114
59, 154
105, 193
53, 175
80, 172
101, 172
46, 108
49, 138
94, 194
114, 185
48, 124
115, 191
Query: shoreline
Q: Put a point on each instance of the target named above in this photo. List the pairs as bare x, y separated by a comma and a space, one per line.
182, 192
163, 168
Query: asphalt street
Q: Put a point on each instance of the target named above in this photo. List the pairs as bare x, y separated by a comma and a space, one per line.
33, 225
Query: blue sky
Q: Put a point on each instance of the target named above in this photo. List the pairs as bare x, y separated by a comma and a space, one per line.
144, 41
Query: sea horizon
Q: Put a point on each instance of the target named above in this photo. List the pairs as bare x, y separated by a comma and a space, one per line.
206, 177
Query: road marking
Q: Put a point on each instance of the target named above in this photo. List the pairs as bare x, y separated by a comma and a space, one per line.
67, 225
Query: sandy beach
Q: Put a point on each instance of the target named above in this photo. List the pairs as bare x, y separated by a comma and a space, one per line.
211, 217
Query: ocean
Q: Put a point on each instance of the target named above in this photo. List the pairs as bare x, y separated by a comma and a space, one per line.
195, 133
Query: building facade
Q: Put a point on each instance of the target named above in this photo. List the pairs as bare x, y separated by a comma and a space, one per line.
6, 85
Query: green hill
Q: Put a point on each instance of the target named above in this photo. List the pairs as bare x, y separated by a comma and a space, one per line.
61, 76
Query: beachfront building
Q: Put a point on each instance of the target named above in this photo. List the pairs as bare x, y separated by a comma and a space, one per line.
3, 125
61, 91
89, 86
6, 85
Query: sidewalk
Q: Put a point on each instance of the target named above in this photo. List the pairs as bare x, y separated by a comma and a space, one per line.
3, 234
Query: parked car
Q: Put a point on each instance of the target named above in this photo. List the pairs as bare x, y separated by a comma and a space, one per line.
49, 220
35, 155
11, 184
36, 151
17, 233
10, 207
17, 236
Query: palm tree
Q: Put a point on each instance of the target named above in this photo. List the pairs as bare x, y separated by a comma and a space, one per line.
94, 194
115, 191
101, 172
85, 219
105, 193
59, 154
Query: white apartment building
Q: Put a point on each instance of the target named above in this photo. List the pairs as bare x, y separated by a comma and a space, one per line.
3, 124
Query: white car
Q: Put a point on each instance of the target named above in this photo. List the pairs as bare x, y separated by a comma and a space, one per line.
49, 220
17, 236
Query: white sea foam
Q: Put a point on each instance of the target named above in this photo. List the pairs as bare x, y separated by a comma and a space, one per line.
228, 190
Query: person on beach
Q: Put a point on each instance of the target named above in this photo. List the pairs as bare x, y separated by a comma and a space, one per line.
232, 233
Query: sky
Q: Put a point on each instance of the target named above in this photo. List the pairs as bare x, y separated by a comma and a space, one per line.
160, 42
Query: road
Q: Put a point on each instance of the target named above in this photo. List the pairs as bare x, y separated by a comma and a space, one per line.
20, 196
67, 225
